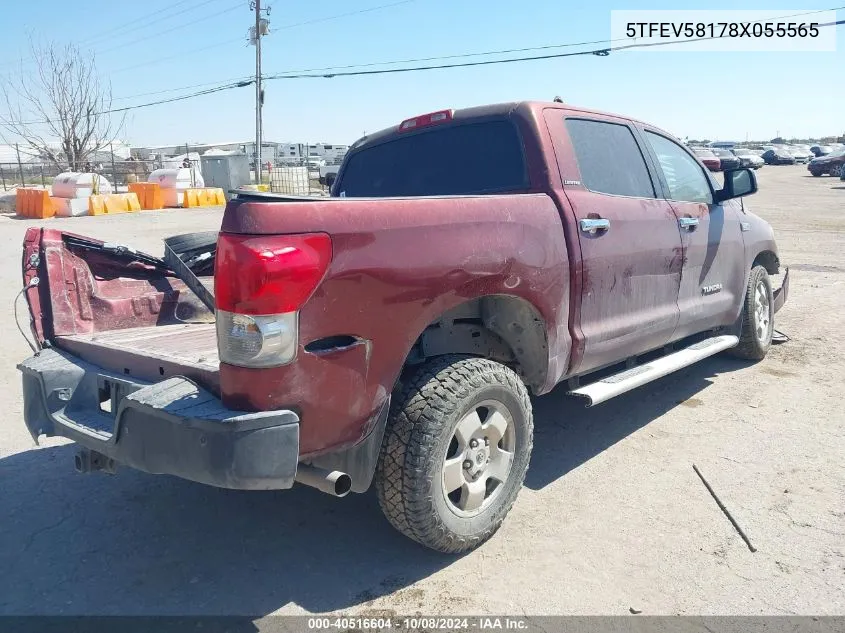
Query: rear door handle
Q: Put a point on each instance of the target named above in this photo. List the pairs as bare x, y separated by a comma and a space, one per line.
688, 223
593, 226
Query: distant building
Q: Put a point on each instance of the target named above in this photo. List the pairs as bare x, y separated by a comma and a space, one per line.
271, 151
296, 152
151, 152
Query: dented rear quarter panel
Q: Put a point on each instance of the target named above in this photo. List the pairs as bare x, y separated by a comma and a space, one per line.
397, 265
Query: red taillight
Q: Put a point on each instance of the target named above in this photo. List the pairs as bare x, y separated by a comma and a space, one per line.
441, 116
269, 274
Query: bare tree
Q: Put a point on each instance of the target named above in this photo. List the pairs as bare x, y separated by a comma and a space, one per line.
61, 107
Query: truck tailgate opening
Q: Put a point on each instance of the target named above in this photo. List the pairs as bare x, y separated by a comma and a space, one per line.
153, 352
117, 308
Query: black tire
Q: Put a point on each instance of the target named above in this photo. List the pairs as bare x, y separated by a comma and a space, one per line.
189, 246
420, 434
816, 173
189, 242
753, 346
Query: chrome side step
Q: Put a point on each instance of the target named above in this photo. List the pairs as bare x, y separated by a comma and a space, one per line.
617, 384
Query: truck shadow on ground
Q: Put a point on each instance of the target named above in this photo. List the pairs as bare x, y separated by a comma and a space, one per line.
567, 434
138, 544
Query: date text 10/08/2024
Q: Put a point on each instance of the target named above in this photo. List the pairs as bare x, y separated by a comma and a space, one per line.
416, 623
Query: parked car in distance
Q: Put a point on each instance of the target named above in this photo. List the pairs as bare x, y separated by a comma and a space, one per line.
392, 335
727, 159
801, 155
749, 158
707, 157
829, 164
778, 156
821, 150
328, 172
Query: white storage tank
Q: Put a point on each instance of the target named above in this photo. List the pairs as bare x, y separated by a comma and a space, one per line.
70, 207
179, 179
71, 184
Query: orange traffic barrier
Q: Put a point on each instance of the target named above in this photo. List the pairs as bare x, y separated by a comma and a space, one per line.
149, 195
203, 197
34, 203
109, 204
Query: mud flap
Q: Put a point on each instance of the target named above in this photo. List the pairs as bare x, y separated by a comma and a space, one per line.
359, 461
782, 293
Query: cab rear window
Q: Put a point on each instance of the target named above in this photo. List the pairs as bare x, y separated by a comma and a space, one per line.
470, 159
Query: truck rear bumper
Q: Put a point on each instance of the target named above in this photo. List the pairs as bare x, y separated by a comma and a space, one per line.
171, 427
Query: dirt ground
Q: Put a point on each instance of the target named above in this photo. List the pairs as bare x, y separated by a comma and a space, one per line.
612, 515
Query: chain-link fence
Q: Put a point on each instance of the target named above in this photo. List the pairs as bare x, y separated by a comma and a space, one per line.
119, 173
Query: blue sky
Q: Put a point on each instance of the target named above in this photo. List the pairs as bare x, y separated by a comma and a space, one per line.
695, 94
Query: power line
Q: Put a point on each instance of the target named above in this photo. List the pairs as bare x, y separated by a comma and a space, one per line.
139, 24
344, 15
166, 90
287, 73
283, 27
517, 50
458, 56
174, 28
240, 84
601, 52
220, 88
144, 22
181, 54
365, 65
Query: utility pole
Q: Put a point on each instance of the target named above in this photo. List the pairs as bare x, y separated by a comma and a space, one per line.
261, 28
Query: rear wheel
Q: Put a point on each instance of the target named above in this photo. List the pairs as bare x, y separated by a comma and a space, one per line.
757, 317
455, 452
836, 171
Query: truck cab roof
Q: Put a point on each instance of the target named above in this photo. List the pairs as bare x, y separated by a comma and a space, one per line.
520, 109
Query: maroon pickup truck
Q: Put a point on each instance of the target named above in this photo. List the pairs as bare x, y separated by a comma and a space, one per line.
391, 334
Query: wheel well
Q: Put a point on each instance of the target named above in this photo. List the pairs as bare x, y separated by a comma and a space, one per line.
499, 327
769, 261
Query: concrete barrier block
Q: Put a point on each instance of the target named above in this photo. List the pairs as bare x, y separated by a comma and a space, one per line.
34, 203
111, 204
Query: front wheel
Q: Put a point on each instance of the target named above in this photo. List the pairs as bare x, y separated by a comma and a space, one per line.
757, 317
836, 170
455, 452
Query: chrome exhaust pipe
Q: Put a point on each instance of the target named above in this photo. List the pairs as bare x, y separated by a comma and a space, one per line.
332, 482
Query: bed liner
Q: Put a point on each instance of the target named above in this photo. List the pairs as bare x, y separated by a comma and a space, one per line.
153, 352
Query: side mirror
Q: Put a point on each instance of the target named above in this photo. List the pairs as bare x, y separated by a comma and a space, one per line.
738, 182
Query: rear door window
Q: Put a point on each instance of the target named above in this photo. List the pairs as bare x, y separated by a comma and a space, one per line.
609, 159
470, 159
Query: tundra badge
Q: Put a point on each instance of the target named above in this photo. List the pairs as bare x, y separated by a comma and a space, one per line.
711, 289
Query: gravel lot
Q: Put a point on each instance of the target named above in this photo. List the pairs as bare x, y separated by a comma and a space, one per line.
612, 515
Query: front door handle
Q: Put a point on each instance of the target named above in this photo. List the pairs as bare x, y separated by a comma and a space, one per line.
593, 226
688, 223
